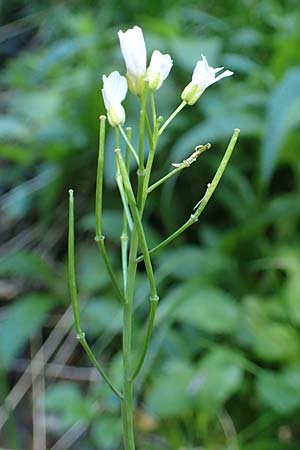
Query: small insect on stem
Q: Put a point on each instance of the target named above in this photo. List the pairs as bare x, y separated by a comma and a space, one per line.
196, 206
193, 157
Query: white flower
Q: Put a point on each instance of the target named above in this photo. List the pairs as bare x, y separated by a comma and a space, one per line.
114, 91
158, 70
135, 55
203, 76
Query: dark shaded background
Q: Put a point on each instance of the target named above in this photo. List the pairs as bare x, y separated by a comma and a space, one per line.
223, 371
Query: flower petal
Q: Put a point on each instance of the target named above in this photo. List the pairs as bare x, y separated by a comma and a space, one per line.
133, 48
227, 73
203, 76
114, 89
158, 70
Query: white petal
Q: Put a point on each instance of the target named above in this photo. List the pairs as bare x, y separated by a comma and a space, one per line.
114, 89
205, 63
105, 94
133, 48
166, 65
158, 70
200, 72
204, 74
227, 73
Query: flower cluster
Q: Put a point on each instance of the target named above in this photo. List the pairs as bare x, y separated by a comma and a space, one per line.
134, 52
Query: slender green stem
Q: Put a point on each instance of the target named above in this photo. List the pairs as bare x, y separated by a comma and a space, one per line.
141, 170
137, 221
153, 108
117, 137
99, 181
142, 128
143, 185
127, 404
211, 187
149, 165
100, 242
163, 179
148, 129
153, 306
137, 235
124, 234
127, 154
172, 116
126, 212
124, 199
129, 144
99, 195
71, 263
74, 297
87, 348
150, 159
124, 252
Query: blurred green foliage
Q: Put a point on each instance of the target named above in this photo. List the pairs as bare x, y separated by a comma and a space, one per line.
223, 370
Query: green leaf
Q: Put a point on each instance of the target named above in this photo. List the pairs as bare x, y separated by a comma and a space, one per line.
270, 340
218, 377
280, 391
106, 433
62, 51
276, 342
191, 261
292, 297
169, 395
210, 310
24, 318
14, 153
283, 114
28, 265
266, 444
181, 387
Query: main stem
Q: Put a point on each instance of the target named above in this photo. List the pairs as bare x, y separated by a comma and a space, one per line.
127, 402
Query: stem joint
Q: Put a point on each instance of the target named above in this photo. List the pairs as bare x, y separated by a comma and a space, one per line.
99, 238
80, 335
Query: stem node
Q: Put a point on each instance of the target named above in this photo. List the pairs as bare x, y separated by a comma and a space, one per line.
99, 238
80, 336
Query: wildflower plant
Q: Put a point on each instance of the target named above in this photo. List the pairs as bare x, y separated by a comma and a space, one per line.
141, 82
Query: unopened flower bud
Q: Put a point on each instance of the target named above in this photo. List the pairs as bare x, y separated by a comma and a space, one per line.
158, 70
116, 115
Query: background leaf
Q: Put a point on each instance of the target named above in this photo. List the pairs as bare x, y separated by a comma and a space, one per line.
23, 319
283, 114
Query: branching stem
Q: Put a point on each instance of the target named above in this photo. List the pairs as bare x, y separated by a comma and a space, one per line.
74, 297
203, 202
